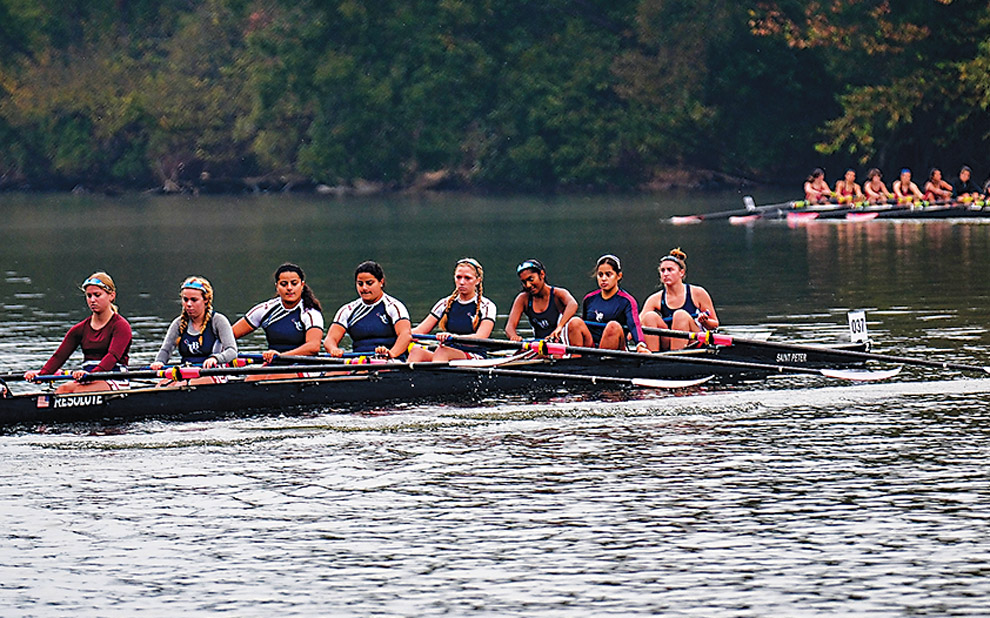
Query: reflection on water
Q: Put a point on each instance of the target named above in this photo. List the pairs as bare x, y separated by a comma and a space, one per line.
784, 496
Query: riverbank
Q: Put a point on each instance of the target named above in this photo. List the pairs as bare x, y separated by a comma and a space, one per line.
204, 183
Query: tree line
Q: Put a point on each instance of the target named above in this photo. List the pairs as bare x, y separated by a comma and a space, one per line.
514, 95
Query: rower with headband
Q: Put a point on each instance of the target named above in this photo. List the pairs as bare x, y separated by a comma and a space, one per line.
548, 307
104, 337
465, 311
201, 335
609, 305
678, 306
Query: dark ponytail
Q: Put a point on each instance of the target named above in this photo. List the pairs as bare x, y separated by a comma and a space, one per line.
309, 299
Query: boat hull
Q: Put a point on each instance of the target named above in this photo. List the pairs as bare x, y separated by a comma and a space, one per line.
376, 389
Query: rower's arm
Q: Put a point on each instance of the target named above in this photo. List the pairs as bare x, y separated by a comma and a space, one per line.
515, 314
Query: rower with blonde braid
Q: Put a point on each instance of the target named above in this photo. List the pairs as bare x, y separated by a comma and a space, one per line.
201, 335
465, 312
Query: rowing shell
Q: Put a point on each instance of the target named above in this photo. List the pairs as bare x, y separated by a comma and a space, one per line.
359, 389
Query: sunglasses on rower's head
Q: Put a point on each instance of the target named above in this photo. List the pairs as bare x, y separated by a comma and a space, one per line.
97, 282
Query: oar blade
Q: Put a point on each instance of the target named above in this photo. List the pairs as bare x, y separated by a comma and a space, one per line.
651, 383
860, 375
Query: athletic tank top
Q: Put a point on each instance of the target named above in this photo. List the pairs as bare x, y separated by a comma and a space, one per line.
544, 322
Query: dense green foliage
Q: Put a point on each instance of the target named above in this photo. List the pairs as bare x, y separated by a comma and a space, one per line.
510, 95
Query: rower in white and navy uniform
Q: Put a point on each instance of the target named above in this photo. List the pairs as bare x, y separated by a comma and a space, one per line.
376, 322
465, 312
292, 321
678, 306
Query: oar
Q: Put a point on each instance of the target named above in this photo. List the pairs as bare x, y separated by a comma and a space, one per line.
457, 366
188, 373
710, 338
548, 348
750, 209
464, 366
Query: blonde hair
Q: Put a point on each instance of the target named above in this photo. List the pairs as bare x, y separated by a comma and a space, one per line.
479, 289
201, 284
103, 281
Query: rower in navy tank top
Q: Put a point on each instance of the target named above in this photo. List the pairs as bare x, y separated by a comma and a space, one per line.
376, 322
667, 314
611, 305
695, 313
551, 322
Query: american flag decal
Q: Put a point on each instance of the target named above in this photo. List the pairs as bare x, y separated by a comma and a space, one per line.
43, 401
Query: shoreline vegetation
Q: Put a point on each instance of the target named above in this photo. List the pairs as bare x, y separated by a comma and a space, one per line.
350, 98
438, 181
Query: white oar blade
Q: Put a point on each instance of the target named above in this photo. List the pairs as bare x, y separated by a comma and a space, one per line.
647, 383
860, 375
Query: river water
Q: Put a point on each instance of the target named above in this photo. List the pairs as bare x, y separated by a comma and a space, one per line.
789, 496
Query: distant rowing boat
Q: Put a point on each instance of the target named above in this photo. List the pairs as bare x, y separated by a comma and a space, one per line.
802, 211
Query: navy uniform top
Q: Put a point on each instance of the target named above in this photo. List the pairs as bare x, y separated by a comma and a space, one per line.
285, 329
621, 308
668, 314
544, 322
370, 326
460, 319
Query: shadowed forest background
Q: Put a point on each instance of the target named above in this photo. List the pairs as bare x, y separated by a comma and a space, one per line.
507, 95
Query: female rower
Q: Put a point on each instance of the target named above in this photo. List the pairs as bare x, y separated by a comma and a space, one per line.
847, 189
609, 305
816, 189
936, 188
905, 190
377, 323
201, 335
292, 321
875, 189
678, 306
547, 307
465, 312
965, 188
105, 339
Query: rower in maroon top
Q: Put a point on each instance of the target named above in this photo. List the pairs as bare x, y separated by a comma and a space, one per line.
105, 339
610, 305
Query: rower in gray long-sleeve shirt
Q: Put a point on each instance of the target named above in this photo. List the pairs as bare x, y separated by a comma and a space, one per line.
195, 347
201, 334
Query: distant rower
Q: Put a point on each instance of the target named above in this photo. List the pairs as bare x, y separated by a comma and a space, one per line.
200, 334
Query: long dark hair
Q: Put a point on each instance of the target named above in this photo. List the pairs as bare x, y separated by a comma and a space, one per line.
372, 268
309, 299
